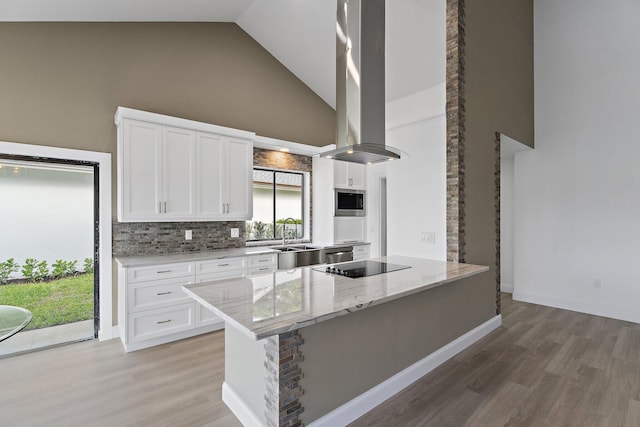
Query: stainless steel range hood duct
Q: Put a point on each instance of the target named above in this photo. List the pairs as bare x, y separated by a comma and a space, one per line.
360, 97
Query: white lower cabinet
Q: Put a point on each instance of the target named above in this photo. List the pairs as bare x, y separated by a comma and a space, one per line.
205, 317
161, 322
361, 252
157, 294
153, 309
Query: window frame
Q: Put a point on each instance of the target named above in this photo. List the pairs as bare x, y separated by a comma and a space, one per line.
306, 206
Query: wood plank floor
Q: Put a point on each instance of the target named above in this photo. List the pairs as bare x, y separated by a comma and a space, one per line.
97, 384
543, 367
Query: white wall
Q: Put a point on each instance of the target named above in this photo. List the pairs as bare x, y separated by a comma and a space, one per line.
506, 224
508, 148
577, 194
416, 186
45, 214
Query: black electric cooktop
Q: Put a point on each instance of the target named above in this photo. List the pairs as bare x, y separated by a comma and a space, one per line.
358, 269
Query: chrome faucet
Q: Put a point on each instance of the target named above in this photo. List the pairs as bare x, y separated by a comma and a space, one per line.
284, 229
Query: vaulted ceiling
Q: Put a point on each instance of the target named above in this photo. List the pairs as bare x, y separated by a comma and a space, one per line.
299, 33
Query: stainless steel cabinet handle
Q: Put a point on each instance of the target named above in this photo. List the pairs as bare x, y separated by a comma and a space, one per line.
264, 260
163, 271
264, 268
159, 207
163, 293
227, 207
222, 265
165, 207
164, 321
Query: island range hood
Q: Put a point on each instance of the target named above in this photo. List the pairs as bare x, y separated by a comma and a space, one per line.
360, 95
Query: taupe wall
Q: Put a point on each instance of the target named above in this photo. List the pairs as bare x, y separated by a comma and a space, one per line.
62, 82
499, 70
382, 341
498, 98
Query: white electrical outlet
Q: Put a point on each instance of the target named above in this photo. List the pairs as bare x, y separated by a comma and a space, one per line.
428, 237
188, 234
235, 232
597, 283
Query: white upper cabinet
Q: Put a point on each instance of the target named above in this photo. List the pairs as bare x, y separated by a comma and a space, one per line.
239, 178
210, 166
224, 177
172, 169
349, 175
178, 184
140, 166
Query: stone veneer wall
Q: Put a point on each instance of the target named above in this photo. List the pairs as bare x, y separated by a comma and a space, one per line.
455, 130
279, 160
161, 238
282, 380
497, 203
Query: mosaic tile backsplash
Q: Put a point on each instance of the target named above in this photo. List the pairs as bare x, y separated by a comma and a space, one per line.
161, 238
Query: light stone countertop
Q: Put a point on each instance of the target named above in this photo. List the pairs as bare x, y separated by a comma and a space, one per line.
145, 260
141, 261
273, 303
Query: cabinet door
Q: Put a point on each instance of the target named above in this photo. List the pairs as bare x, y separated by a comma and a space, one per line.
350, 229
141, 170
178, 172
210, 172
240, 177
357, 175
205, 317
340, 174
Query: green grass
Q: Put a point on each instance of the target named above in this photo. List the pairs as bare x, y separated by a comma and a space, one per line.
52, 303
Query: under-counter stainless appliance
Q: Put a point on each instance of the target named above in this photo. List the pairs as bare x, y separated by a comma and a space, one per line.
358, 269
335, 254
350, 202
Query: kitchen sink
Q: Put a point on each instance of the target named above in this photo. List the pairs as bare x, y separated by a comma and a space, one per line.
304, 247
298, 256
285, 248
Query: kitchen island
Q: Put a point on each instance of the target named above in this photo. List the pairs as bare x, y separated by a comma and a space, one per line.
307, 347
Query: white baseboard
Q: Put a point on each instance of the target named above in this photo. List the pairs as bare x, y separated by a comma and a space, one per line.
244, 414
506, 287
596, 310
373, 397
113, 333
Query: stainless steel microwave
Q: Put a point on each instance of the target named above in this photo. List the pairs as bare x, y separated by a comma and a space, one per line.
350, 202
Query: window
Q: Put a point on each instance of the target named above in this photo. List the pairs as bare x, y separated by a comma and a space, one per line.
277, 196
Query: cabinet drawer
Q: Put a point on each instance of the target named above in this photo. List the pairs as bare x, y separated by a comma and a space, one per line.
160, 271
157, 293
221, 275
219, 265
163, 321
261, 270
261, 260
362, 250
